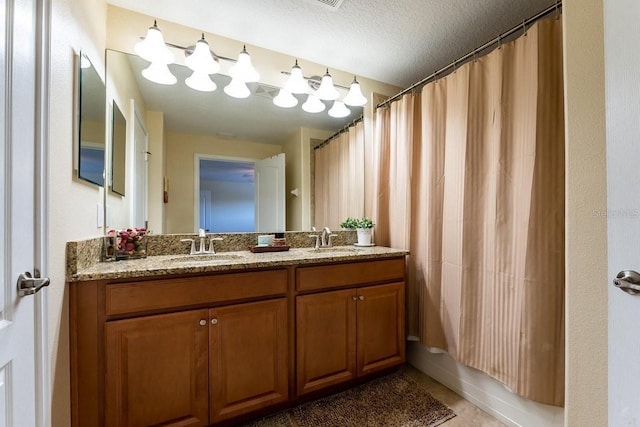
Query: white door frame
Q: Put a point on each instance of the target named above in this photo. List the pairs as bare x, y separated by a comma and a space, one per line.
136, 118
43, 49
196, 180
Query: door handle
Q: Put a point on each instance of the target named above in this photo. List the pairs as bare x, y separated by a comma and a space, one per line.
628, 281
29, 285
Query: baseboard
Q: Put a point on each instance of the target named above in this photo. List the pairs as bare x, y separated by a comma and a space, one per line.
483, 391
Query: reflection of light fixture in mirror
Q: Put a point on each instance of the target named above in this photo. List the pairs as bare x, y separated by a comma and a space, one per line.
327, 91
355, 98
153, 48
200, 81
201, 59
339, 110
296, 82
313, 104
159, 73
243, 69
284, 99
237, 89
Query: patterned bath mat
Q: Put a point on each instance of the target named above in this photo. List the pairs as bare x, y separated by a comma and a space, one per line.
395, 400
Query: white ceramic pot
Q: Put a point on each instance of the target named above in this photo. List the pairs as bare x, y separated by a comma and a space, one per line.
364, 236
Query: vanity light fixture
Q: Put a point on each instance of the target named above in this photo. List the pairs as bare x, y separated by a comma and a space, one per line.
202, 62
285, 99
296, 82
355, 98
339, 110
327, 91
237, 88
313, 104
243, 69
153, 47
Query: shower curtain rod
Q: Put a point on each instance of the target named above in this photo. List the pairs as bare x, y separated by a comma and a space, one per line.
556, 7
344, 129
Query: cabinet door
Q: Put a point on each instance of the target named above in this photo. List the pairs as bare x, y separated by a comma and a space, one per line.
381, 342
326, 339
248, 357
157, 370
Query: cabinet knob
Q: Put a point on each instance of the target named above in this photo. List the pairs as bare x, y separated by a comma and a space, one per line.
361, 297
354, 298
214, 321
203, 322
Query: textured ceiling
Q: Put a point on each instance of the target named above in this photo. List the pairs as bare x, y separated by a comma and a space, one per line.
392, 41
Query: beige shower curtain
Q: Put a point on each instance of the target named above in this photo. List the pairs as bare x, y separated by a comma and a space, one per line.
339, 178
472, 183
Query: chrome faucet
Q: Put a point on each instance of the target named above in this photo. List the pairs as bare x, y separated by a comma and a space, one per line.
202, 236
323, 240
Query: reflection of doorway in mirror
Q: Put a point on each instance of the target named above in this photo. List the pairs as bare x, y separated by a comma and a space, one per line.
227, 196
239, 194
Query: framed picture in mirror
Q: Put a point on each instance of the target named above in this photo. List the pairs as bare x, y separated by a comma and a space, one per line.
118, 150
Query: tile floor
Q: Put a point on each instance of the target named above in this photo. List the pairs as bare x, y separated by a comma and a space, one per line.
467, 414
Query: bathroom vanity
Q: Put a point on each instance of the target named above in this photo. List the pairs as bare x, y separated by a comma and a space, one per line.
183, 340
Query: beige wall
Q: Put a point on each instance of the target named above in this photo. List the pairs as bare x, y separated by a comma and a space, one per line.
75, 25
586, 234
180, 158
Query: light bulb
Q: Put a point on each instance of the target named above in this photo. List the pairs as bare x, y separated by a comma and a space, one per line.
284, 99
153, 48
159, 73
237, 89
200, 81
296, 82
355, 98
243, 69
339, 110
327, 91
201, 58
313, 104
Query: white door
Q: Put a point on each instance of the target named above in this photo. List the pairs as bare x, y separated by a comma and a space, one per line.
622, 71
140, 168
21, 156
270, 196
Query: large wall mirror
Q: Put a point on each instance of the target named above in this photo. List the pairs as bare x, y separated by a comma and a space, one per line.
91, 123
230, 136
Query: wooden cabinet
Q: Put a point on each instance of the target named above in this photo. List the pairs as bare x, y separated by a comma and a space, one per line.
157, 370
348, 333
196, 367
248, 358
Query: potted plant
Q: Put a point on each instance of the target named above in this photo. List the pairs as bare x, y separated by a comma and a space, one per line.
363, 226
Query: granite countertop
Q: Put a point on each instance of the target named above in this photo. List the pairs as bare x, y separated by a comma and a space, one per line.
162, 265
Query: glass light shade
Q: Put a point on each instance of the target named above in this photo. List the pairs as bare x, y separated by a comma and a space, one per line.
159, 72
327, 91
339, 110
237, 89
152, 48
313, 104
201, 59
296, 82
284, 99
243, 69
200, 81
354, 97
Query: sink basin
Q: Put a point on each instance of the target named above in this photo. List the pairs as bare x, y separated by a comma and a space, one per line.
335, 250
204, 258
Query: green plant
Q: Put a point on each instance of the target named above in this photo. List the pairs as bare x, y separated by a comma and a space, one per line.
349, 224
364, 222
353, 223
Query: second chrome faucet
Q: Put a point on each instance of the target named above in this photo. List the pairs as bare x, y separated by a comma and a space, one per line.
202, 236
324, 239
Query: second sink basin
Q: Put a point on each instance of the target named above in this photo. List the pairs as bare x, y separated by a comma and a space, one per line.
335, 250
205, 258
